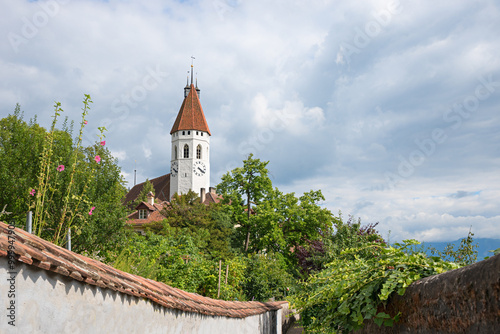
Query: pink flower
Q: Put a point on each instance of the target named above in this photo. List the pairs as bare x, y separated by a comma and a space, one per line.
103, 143
84, 122
91, 209
97, 158
32, 192
60, 168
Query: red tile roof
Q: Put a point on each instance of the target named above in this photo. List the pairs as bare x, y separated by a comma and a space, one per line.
161, 185
154, 215
191, 116
42, 254
212, 198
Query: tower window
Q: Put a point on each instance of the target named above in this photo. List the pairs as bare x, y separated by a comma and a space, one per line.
189, 132
196, 132
186, 151
175, 152
202, 134
183, 133
198, 152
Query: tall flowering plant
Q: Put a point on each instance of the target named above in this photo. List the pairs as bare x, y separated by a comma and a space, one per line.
58, 202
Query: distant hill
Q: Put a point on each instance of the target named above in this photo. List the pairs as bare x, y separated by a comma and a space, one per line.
484, 246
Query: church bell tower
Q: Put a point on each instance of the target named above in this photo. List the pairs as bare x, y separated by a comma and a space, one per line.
190, 137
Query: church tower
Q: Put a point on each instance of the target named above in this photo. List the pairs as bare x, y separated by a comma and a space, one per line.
190, 136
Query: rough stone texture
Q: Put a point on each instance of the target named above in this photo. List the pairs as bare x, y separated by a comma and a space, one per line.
465, 300
289, 317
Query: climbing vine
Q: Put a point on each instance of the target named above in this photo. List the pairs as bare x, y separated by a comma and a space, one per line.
341, 297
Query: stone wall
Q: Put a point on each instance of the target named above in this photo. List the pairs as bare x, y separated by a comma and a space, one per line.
465, 300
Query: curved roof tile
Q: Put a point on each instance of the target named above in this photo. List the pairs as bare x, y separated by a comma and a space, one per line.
40, 253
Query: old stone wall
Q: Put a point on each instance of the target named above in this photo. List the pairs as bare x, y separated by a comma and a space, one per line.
465, 300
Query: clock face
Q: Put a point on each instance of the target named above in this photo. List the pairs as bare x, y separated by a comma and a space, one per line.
199, 168
174, 169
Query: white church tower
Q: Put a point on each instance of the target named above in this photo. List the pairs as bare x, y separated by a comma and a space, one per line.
190, 164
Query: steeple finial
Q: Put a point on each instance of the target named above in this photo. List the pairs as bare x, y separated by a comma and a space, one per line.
192, 59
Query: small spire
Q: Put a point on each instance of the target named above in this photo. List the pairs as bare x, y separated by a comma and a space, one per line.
192, 59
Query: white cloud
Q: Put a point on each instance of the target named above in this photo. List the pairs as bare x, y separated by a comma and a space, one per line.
282, 84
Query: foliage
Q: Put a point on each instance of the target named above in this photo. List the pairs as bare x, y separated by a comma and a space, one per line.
20, 147
284, 222
495, 251
359, 282
128, 262
314, 255
143, 195
210, 224
66, 184
268, 220
465, 254
267, 277
250, 182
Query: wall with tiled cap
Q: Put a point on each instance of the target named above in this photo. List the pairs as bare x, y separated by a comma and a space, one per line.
54, 290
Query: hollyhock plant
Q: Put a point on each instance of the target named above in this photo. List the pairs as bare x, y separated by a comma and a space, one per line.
32, 192
103, 143
91, 209
97, 158
85, 122
60, 168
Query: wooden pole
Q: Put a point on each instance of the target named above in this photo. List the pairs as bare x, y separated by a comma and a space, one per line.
218, 289
227, 272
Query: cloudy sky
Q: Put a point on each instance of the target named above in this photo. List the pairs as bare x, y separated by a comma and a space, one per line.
391, 108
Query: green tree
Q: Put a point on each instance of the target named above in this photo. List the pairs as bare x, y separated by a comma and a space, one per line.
314, 255
143, 195
243, 187
267, 219
210, 223
267, 276
62, 181
286, 222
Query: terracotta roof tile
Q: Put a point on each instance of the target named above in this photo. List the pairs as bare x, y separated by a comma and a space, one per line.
40, 253
161, 185
191, 116
212, 198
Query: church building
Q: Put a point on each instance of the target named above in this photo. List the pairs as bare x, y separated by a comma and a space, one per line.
189, 165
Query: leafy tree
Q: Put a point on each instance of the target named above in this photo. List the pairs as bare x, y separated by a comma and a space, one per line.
66, 184
267, 219
187, 211
285, 222
143, 195
313, 256
198, 220
243, 187
267, 277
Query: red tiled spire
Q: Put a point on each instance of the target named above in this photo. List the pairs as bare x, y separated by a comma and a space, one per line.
191, 116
